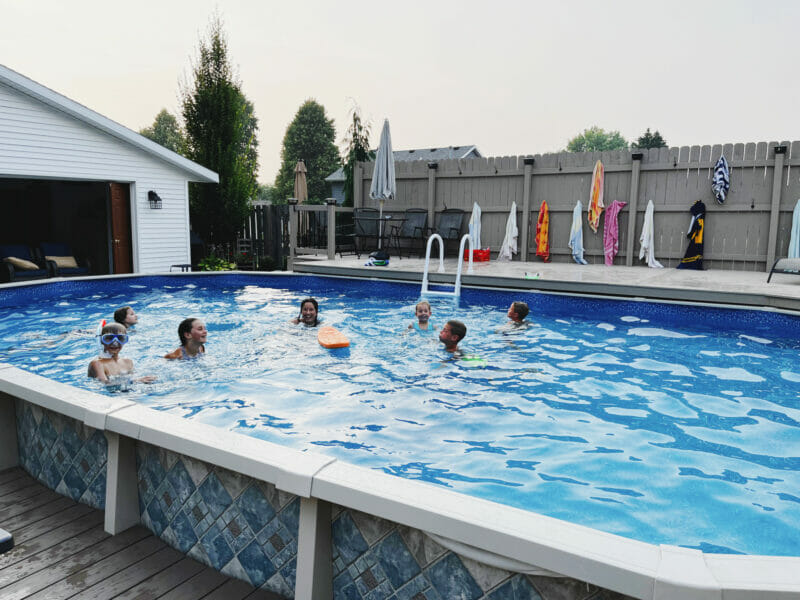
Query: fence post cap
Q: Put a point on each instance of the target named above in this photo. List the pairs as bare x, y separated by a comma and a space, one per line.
330, 201
292, 201
528, 160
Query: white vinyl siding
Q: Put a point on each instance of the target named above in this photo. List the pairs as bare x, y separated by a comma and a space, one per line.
41, 142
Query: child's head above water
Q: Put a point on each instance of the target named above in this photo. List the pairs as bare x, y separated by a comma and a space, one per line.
126, 316
518, 311
113, 336
192, 329
423, 311
309, 309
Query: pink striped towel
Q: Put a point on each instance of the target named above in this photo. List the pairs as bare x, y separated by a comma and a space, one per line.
611, 231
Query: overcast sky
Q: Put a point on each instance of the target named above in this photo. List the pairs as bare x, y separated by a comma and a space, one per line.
510, 77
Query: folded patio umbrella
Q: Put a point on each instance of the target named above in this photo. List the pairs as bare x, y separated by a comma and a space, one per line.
647, 239
596, 196
611, 231
543, 232
475, 226
509, 246
794, 240
721, 182
384, 186
576, 235
300, 186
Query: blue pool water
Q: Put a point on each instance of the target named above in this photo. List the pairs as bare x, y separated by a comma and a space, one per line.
660, 422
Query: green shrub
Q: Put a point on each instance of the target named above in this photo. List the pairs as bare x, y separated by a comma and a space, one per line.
214, 263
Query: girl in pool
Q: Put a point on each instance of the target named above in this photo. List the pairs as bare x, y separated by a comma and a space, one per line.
309, 313
192, 333
423, 312
126, 317
109, 368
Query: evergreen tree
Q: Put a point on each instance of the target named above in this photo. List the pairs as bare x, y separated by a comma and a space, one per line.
356, 150
650, 140
166, 131
596, 139
220, 135
310, 136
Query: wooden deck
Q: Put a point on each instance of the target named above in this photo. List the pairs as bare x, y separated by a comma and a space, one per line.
61, 551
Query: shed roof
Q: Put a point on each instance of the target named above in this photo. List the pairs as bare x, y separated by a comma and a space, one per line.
422, 154
55, 100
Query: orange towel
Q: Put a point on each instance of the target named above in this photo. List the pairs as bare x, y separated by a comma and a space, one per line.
596, 205
542, 232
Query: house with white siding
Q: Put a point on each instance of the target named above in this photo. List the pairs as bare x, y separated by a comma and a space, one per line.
70, 175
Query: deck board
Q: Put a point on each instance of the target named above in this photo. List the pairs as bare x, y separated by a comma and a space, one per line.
63, 552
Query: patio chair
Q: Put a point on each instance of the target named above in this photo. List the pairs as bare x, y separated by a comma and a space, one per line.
365, 229
788, 266
65, 263
413, 227
19, 263
451, 222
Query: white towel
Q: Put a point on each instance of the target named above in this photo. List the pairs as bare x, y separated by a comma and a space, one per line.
647, 239
509, 246
576, 235
794, 240
475, 226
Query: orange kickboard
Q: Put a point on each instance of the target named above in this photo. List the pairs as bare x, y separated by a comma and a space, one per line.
330, 337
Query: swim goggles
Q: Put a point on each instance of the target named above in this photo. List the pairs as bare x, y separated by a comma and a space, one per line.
110, 338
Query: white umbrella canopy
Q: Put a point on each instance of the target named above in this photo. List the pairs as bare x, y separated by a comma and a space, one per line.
384, 186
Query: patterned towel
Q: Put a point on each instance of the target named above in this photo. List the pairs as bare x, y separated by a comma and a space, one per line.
611, 231
721, 182
596, 196
542, 232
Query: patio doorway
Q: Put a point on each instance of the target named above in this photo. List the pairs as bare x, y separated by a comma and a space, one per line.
121, 228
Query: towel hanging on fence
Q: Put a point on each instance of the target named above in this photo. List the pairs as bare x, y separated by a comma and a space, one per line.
647, 239
794, 240
596, 196
721, 182
576, 235
543, 232
611, 231
693, 259
509, 246
475, 226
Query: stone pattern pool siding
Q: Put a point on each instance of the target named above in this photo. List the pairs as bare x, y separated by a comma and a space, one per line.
240, 526
62, 453
375, 559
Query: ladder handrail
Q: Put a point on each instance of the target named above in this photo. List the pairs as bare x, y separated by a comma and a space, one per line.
457, 288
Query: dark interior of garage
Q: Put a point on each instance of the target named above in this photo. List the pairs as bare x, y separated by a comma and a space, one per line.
33, 212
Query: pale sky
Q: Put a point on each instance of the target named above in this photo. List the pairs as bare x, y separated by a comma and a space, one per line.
510, 77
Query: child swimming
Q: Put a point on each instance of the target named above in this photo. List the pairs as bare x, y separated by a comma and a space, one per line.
423, 312
309, 313
192, 333
126, 317
452, 333
109, 368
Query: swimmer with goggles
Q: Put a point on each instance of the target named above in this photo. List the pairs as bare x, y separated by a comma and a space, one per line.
109, 367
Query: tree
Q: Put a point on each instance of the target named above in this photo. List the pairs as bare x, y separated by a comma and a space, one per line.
309, 136
596, 139
166, 131
356, 150
266, 193
220, 135
650, 140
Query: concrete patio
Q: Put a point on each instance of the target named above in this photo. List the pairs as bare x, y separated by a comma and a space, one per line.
739, 288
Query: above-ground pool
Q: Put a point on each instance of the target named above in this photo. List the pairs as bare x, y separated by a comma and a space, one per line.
664, 423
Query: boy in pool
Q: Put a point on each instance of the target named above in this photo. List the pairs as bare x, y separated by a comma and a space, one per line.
309, 311
126, 317
109, 368
423, 312
193, 334
451, 334
517, 313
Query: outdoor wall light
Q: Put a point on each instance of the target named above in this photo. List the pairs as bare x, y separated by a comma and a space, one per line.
433, 165
154, 199
637, 155
292, 201
780, 149
528, 160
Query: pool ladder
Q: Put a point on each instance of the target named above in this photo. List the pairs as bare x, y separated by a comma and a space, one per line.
457, 288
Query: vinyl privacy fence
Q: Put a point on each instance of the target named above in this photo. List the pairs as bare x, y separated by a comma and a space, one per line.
747, 232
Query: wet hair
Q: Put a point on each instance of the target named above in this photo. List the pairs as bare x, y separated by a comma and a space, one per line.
121, 314
185, 327
113, 328
421, 303
458, 328
316, 308
521, 308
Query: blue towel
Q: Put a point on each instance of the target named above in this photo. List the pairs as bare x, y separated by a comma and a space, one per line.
722, 180
794, 240
576, 235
